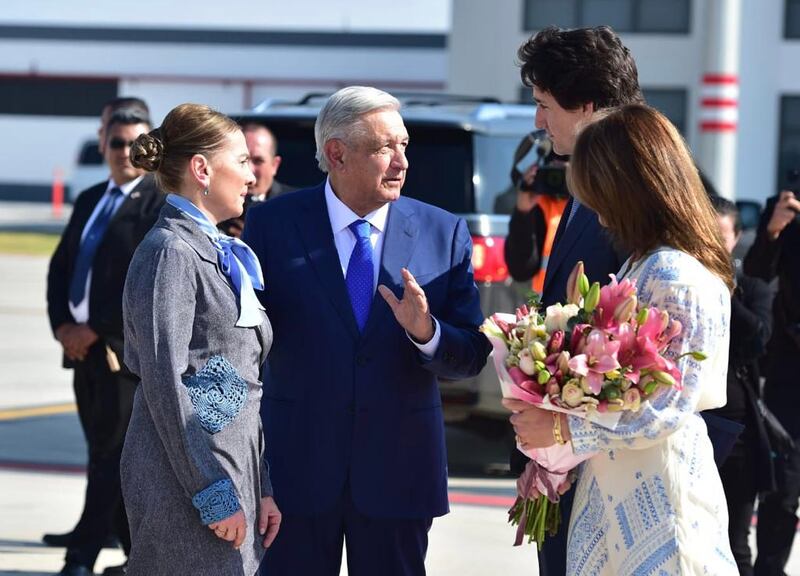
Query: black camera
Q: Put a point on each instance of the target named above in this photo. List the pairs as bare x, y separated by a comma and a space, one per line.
551, 173
551, 181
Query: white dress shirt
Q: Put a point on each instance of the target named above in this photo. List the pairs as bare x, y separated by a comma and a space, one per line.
341, 217
81, 312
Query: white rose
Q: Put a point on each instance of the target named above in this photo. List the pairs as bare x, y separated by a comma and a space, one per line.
526, 362
557, 316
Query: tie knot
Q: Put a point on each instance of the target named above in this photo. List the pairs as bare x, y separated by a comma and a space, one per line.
361, 229
115, 191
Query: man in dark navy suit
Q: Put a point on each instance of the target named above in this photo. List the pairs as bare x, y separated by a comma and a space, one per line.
84, 303
371, 298
574, 73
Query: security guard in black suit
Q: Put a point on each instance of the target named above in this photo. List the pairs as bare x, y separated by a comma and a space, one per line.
84, 296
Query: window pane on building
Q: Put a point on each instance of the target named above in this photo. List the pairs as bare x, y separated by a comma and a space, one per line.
55, 96
791, 21
526, 95
670, 16
615, 13
789, 147
790, 113
542, 13
671, 102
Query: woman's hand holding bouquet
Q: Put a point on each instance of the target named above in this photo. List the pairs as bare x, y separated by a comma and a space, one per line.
595, 356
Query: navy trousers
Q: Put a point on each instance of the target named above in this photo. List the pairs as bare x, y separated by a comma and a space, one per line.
312, 545
105, 402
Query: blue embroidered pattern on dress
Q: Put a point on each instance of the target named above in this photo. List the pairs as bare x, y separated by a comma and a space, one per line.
217, 393
663, 273
216, 502
637, 531
587, 546
645, 521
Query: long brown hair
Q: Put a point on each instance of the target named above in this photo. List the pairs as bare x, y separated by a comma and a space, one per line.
633, 168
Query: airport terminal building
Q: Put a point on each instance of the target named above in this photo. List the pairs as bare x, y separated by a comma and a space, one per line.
59, 63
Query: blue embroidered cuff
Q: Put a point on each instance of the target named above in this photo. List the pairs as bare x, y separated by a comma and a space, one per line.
584, 435
216, 502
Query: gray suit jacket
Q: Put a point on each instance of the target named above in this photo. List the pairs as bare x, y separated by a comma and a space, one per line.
187, 434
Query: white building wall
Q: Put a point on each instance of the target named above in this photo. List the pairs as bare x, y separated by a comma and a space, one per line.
485, 37
230, 77
342, 15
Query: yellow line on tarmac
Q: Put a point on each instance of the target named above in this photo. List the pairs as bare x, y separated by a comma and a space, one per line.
33, 411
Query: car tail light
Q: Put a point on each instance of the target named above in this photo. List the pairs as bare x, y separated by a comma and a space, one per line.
488, 259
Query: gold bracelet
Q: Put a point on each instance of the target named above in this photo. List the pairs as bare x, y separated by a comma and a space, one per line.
557, 429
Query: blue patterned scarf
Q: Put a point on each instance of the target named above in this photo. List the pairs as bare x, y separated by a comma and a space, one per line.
237, 261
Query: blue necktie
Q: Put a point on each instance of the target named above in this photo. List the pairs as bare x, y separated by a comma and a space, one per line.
360, 273
83, 263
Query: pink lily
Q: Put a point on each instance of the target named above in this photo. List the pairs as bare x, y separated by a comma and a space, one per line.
611, 296
599, 356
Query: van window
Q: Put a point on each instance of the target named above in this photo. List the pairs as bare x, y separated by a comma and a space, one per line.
90, 155
440, 167
440, 162
495, 155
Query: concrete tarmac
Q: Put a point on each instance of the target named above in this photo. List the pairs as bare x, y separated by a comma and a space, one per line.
42, 457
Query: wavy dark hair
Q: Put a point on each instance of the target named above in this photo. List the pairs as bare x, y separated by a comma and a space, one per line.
633, 168
580, 66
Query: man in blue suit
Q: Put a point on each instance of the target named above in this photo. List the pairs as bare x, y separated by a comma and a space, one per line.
573, 74
371, 298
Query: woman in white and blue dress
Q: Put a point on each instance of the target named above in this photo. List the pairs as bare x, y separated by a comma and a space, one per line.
194, 478
650, 500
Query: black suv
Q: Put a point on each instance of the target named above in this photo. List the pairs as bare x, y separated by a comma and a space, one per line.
460, 159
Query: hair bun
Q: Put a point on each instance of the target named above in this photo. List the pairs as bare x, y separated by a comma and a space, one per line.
147, 151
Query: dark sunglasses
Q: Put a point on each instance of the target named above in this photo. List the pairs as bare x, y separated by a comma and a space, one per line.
119, 143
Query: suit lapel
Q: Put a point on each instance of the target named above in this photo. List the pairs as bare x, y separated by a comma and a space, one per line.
133, 200
565, 241
399, 241
317, 237
96, 193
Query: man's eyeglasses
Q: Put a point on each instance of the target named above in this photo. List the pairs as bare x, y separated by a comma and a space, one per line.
119, 143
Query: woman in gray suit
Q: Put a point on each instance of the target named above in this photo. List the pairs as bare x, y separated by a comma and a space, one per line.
194, 477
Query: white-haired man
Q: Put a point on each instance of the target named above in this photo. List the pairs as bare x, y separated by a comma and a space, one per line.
371, 297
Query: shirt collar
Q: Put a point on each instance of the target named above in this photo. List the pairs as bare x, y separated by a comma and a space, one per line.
126, 188
341, 216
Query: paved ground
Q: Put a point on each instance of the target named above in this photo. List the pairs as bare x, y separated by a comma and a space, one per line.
33, 217
42, 454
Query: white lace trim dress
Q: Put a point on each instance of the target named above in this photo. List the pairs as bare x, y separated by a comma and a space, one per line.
651, 500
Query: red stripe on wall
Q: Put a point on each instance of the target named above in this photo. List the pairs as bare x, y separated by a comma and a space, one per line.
720, 79
711, 126
720, 102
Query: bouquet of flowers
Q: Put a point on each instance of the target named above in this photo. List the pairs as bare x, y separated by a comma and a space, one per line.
594, 357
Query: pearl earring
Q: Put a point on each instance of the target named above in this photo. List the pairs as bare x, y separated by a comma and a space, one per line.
205, 192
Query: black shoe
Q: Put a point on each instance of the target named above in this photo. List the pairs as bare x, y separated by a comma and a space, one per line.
62, 540
71, 569
57, 540
116, 570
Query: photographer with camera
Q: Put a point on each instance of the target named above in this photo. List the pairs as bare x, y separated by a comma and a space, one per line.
776, 254
540, 200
